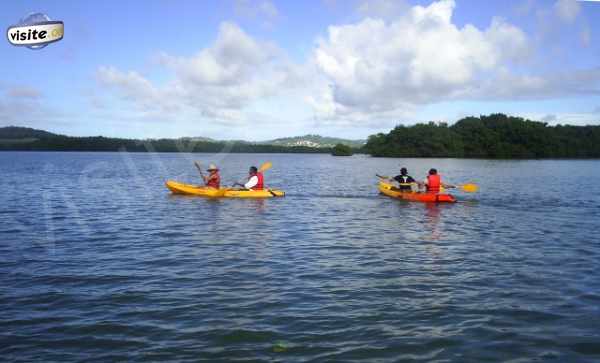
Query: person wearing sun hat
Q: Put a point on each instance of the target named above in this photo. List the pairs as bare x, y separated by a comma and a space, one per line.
213, 180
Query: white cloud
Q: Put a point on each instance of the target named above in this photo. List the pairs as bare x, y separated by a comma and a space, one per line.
131, 84
550, 118
564, 118
362, 74
28, 111
24, 92
375, 68
567, 10
505, 85
26, 105
219, 82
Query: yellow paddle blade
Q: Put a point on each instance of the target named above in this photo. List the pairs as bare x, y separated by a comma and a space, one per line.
266, 166
470, 188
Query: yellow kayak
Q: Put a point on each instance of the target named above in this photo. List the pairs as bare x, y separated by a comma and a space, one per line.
202, 191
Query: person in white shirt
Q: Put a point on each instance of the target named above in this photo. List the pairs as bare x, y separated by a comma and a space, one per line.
255, 180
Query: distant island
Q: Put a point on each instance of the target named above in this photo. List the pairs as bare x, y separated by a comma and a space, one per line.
341, 150
495, 136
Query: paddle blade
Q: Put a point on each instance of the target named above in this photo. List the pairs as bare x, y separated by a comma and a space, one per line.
266, 166
470, 188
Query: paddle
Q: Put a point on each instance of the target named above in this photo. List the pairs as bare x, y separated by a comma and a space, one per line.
264, 167
199, 169
469, 187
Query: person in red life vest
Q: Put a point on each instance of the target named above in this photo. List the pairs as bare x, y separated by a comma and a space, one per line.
213, 180
433, 182
256, 180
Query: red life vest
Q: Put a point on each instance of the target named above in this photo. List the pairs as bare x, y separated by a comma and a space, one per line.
214, 181
434, 182
260, 184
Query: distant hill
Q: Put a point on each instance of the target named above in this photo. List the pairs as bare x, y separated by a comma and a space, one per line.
14, 132
28, 139
25, 138
199, 138
315, 141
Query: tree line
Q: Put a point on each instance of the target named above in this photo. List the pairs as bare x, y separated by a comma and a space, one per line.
496, 136
99, 143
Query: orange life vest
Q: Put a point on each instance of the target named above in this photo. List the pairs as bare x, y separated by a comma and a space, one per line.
260, 184
434, 182
214, 181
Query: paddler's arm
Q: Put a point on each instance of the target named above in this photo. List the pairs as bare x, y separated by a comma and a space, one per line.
392, 180
210, 177
251, 182
384, 178
200, 170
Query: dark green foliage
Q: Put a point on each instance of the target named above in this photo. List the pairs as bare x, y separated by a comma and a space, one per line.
341, 150
496, 136
35, 140
14, 132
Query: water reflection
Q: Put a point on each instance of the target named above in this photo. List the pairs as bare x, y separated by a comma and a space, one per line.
432, 221
258, 205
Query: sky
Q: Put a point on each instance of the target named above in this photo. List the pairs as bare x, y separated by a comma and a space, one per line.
263, 69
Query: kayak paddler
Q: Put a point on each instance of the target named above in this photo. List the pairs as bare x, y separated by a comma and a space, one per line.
256, 180
213, 180
433, 182
404, 180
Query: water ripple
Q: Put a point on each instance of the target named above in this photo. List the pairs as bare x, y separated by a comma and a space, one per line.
99, 263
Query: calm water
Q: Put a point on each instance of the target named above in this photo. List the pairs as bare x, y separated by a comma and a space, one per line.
98, 262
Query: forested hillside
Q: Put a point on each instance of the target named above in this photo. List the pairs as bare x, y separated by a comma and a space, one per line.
495, 136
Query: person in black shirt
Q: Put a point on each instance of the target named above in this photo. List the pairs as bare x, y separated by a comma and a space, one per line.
404, 180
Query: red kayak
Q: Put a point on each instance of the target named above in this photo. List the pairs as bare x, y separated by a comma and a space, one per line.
390, 191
